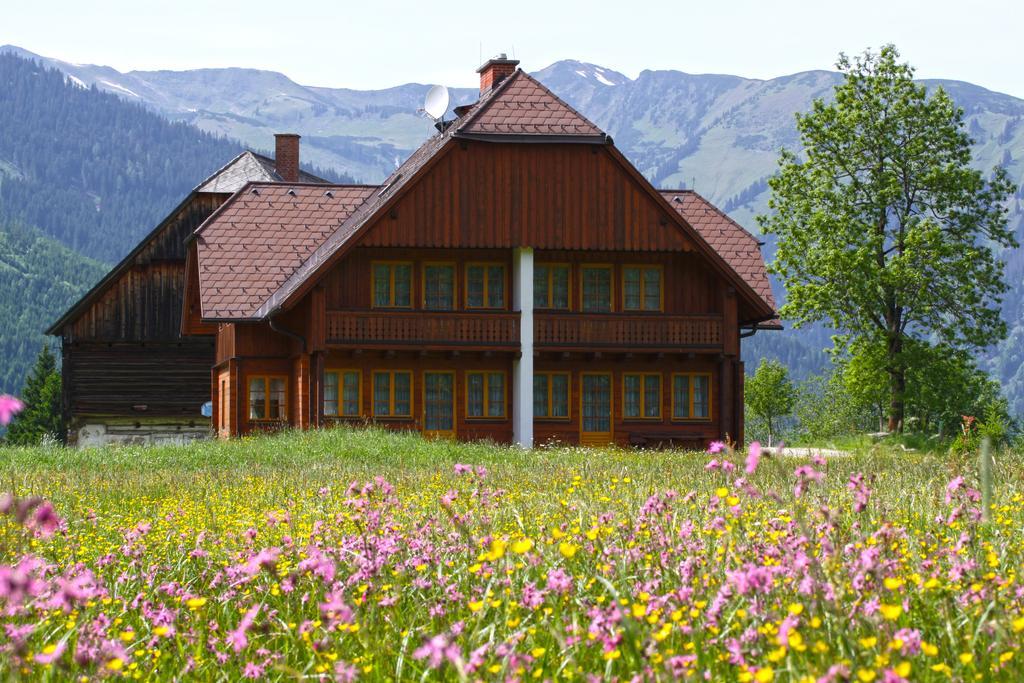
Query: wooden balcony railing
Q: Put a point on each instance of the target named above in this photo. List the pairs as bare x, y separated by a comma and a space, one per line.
625, 331
423, 329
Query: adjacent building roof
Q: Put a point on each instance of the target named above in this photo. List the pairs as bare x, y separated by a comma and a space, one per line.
262, 236
247, 167
740, 249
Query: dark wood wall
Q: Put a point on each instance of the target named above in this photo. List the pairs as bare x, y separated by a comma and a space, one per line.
483, 194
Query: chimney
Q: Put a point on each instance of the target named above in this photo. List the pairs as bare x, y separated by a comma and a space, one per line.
495, 70
286, 156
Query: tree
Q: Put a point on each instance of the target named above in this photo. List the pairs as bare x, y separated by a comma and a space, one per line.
884, 230
42, 397
770, 394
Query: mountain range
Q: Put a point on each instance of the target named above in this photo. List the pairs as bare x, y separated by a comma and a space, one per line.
718, 134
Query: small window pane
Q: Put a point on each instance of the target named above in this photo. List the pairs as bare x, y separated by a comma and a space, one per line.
701, 396
540, 287
652, 289
631, 288
597, 404
631, 389
681, 397
438, 412
597, 290
475, 394
439, 282
257, 398
540, 396
403, 285
381, 285
475, 286
560, 287
277, 399
350, 394
652, 396
403, 394
330, 393
381, 394
559, 396
495, 394
496, 287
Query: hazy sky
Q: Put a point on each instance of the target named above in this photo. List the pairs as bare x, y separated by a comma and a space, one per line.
378, 44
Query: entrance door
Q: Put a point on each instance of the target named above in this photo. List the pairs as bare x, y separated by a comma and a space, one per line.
439, 403
596, 409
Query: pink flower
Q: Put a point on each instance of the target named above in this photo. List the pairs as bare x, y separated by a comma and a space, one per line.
716, 447
238, 638
50, 658
45, 520
436, 650
753, 457
9, 407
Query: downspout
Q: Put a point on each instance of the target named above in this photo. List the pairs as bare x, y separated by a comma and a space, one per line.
288, 333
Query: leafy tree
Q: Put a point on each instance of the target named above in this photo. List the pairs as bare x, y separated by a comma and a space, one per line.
884, 230
42, 415
769, 394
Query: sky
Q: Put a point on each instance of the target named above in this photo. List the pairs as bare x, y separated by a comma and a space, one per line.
378, 43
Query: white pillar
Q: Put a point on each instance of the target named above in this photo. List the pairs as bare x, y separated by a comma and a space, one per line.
522, 368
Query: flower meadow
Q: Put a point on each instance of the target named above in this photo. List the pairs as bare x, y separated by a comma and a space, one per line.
357, 554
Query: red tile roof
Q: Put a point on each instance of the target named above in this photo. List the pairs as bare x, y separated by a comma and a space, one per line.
260, 236
732, 241
521, 105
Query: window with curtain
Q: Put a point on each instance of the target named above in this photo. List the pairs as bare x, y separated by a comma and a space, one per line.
597, 403
485, 285
392, 393
597, 288
691, 396
268, 398
439, 401
439, 286
641, 288
641, 396
485, 394
551, 395
341, 393
551, 286
392, 285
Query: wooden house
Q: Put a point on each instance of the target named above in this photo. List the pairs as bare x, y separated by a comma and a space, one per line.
516, 279
130, 375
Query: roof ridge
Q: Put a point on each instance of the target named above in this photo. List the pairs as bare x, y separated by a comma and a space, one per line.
486, 101
714, 208
564, 103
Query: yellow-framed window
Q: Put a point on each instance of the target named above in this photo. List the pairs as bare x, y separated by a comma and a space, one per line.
268, 397
439, 401
551, 395
343, 391
691, 396
392, 284
438, 286
392, 393
485, 285
642, 288
596, 288
597, 408
641, 395
552, 286
486, 394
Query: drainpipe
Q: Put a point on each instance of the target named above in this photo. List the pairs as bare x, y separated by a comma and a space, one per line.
288, 333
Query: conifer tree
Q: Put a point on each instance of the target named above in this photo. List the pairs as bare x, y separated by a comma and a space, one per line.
42, 397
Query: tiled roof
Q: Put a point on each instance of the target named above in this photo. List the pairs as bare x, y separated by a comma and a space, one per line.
739, 248
521, 105
247, 167
258, 238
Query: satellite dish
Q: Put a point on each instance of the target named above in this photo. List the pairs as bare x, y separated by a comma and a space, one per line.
436, 102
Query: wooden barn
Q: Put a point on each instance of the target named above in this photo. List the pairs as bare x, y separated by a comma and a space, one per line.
129, 373
516, 279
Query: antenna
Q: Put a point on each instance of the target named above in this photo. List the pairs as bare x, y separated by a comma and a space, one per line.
436, 103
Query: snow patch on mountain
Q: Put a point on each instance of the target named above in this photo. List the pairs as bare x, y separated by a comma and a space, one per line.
121, 88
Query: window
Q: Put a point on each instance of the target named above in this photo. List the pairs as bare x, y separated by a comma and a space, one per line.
551, 395
485, 394
551, 287
342, 392
596, 403
597, 289
268, 398
438, 286
392, 285
691, 397
439, 401
392, 393
485, 285
641, 288
641, 396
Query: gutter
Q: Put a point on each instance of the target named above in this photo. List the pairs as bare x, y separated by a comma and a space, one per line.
286, 332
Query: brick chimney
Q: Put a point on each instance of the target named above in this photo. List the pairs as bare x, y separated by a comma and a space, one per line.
495, 70
286, 156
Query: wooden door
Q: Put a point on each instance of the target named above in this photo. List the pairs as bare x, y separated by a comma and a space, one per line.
595, 408
439, 403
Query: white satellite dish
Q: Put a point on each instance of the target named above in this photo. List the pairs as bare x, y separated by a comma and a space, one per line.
436, 102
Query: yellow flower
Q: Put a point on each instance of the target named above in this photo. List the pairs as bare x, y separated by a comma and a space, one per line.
866, 675
538, 652
497, 550
929, 649
127, 636
568, 550
614, 654
902, 669
966, 658
194, 603
764, 674
722, 492
476, 605
890, 612
893, 583
115, 664
868, 642
796, 609
161, 631
638, 610
522, 546
1018, 625
1005, 657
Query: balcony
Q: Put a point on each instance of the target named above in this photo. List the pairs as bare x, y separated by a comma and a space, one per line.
428, 330
615, 331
